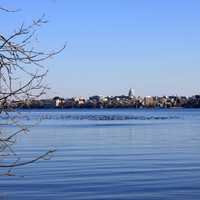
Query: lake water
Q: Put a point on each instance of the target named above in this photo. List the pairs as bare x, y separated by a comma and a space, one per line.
108, 154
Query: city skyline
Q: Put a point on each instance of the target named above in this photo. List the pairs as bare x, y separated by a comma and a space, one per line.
129, 93
151, 46
121, 101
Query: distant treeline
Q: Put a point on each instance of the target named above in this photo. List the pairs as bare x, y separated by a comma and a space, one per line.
111, 102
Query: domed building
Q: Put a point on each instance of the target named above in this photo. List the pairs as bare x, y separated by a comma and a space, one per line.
131, 93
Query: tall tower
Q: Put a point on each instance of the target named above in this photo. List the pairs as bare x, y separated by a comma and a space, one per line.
131, 93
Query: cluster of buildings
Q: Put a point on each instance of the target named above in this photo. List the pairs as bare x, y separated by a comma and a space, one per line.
122, 101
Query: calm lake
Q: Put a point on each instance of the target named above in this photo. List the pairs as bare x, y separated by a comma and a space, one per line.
122, 154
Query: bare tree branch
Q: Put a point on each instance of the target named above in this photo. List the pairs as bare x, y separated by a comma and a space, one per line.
22, 74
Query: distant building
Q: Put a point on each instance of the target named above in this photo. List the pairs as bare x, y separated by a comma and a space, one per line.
80, 100
59, 102
131, 93
149, 101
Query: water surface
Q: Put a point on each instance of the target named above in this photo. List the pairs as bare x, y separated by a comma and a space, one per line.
108, 154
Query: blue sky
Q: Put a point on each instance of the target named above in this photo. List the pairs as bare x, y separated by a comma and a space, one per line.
152, 46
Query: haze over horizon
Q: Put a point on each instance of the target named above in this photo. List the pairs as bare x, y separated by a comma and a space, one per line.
151, 46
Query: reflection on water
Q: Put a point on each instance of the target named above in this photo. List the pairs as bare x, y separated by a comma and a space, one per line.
109, 154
